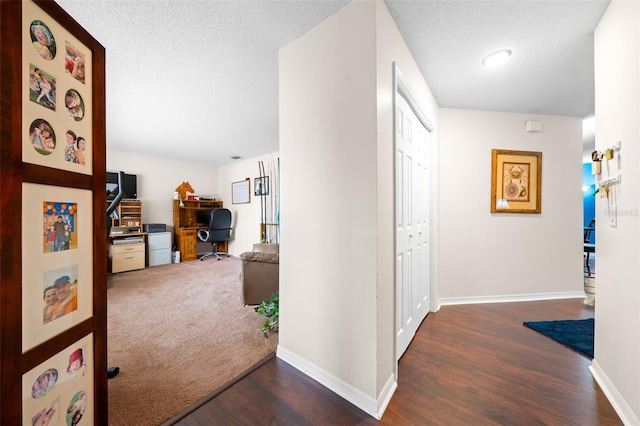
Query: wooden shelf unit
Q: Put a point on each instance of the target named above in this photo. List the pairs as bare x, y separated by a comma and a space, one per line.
128, 214
126, 224
185, 226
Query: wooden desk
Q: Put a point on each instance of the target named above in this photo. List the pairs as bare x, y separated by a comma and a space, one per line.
185, 226
187, 240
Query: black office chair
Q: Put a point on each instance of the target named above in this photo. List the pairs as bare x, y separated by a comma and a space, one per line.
589, 247
219, 231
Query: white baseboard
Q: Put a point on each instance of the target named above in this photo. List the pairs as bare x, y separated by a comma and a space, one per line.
374, 407
509, 298
618, 403
386, 394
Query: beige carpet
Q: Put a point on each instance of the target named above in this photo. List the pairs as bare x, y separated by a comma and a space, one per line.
177, 332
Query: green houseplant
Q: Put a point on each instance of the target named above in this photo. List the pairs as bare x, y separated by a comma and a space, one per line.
270, 311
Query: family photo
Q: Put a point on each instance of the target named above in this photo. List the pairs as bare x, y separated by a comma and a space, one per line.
59, 226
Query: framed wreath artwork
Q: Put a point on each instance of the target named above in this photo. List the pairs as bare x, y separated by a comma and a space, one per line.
516, 181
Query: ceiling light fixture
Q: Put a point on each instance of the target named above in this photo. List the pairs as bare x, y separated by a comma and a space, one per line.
496, 58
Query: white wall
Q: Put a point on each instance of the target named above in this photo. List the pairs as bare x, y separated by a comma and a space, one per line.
336, 146
484, 255
247, 216
328, 184
617, 334
158, 178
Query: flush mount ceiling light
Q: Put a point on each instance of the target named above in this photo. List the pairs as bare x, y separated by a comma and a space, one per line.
496, 58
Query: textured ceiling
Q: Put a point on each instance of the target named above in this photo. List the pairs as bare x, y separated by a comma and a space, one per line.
198, 80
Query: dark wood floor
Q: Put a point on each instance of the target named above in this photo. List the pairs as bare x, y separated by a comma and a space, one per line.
467, 365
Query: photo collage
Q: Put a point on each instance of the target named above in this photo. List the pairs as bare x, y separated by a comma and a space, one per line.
57, 116
59, 391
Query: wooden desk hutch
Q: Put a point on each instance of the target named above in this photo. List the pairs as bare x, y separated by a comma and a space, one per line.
185, 226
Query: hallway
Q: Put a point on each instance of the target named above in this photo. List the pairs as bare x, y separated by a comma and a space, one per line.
468, 364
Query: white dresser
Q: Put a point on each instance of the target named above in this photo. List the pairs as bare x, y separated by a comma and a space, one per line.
159, 248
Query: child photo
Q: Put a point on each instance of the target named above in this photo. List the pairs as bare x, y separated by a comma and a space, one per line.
42, 136
44, 416
44, 383
74, 104
74, 151
74, 62
76, 408
42, 87
43, 40
76, 362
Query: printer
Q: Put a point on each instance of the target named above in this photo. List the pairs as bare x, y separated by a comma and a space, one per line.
154, 227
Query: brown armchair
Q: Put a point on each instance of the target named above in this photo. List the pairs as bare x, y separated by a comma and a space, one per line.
260, 273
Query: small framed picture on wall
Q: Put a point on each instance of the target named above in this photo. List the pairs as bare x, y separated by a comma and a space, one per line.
240, 192
261, 186
516, 181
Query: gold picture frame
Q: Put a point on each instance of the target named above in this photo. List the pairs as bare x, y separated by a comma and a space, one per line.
516, 181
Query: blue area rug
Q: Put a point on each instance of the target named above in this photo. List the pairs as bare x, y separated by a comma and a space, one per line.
576, 334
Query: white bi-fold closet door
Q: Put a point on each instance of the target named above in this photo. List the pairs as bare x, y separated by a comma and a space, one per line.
413, 193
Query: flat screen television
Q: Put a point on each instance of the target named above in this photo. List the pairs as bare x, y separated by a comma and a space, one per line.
130, 186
